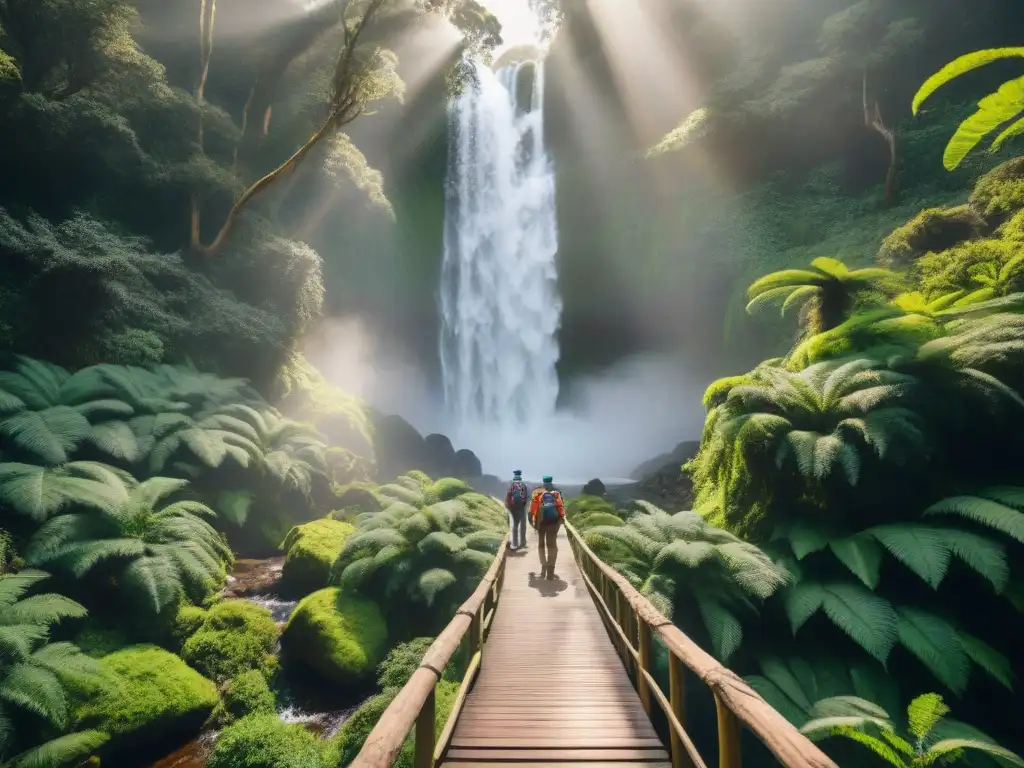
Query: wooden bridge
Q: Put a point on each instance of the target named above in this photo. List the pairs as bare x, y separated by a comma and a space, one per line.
560, 672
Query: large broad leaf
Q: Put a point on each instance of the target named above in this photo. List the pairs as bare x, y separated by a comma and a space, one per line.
724, 628
993, 514
960, 66
862, 555
48, 435
40, 492
922, 548
993, 110
868, 619
936, 644
988, 658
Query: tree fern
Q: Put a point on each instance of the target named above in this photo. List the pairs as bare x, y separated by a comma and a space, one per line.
32, 671
159, 549
672, 556
420, 559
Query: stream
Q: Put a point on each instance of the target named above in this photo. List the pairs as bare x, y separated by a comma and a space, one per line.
300, 702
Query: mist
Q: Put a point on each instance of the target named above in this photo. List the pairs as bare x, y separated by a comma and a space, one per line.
639, 408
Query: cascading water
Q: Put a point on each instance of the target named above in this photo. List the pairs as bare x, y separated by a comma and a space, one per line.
500, 308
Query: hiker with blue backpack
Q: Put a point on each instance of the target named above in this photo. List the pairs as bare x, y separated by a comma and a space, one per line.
547, 511
516, 499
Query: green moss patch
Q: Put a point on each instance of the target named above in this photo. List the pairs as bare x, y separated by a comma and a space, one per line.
264, 741
448, 488
1000, 192
340, 636
932, 230
148, 696
247, 694
235, 636
311, 550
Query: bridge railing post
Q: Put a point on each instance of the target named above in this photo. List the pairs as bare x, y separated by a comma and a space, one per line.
644, 648
426, 728
415, 707
633, 621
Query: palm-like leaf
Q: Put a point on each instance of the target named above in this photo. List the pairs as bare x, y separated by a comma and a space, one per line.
158, 549
993, 110
829, 287
32, 669
668, 556
432, 557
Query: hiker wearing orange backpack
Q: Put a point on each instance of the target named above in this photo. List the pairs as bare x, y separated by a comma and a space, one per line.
547, 511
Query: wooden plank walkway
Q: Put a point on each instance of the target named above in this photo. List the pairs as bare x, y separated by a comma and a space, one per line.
551, 689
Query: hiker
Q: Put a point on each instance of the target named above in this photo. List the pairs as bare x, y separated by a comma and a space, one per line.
547, 511
516, 499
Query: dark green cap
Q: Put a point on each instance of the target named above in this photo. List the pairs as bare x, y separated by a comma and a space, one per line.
546, 479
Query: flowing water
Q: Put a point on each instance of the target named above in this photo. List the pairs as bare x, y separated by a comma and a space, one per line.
299, 702
500, 308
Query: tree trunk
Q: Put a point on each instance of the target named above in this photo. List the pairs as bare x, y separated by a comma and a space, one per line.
873, 119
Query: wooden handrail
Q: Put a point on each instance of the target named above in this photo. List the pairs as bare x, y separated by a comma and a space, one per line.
415, 704
632, 621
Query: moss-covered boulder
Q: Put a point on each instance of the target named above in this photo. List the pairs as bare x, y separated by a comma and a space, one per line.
448, 488
247, 694
932, 230
149, 697
1000, 192
265, 741
354, 499
235, 636
338, 636
310, 550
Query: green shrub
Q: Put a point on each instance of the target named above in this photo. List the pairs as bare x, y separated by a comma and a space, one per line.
342, 637
149, 696
1000, 192
264, 741
311, 550
247, 694
235, 636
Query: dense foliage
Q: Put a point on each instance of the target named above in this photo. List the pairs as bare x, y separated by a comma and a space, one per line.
874, 463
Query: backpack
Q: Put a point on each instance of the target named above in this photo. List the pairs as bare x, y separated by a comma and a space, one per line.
548, 508
517, 494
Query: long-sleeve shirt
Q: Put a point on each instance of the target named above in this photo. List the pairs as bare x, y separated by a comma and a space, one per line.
538, 494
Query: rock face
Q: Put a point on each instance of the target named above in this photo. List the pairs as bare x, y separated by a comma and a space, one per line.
594, 488
682, 453
400, 449
662, 480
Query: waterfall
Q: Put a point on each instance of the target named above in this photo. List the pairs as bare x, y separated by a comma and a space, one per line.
500, 308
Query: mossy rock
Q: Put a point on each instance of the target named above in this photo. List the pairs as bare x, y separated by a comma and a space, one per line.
354, 499
235, 636
339, 636
396, 492
932, 230
448, 488
265, 741
186, 623
1000, 192
311, 549
97, 641
247, 694
149, 696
